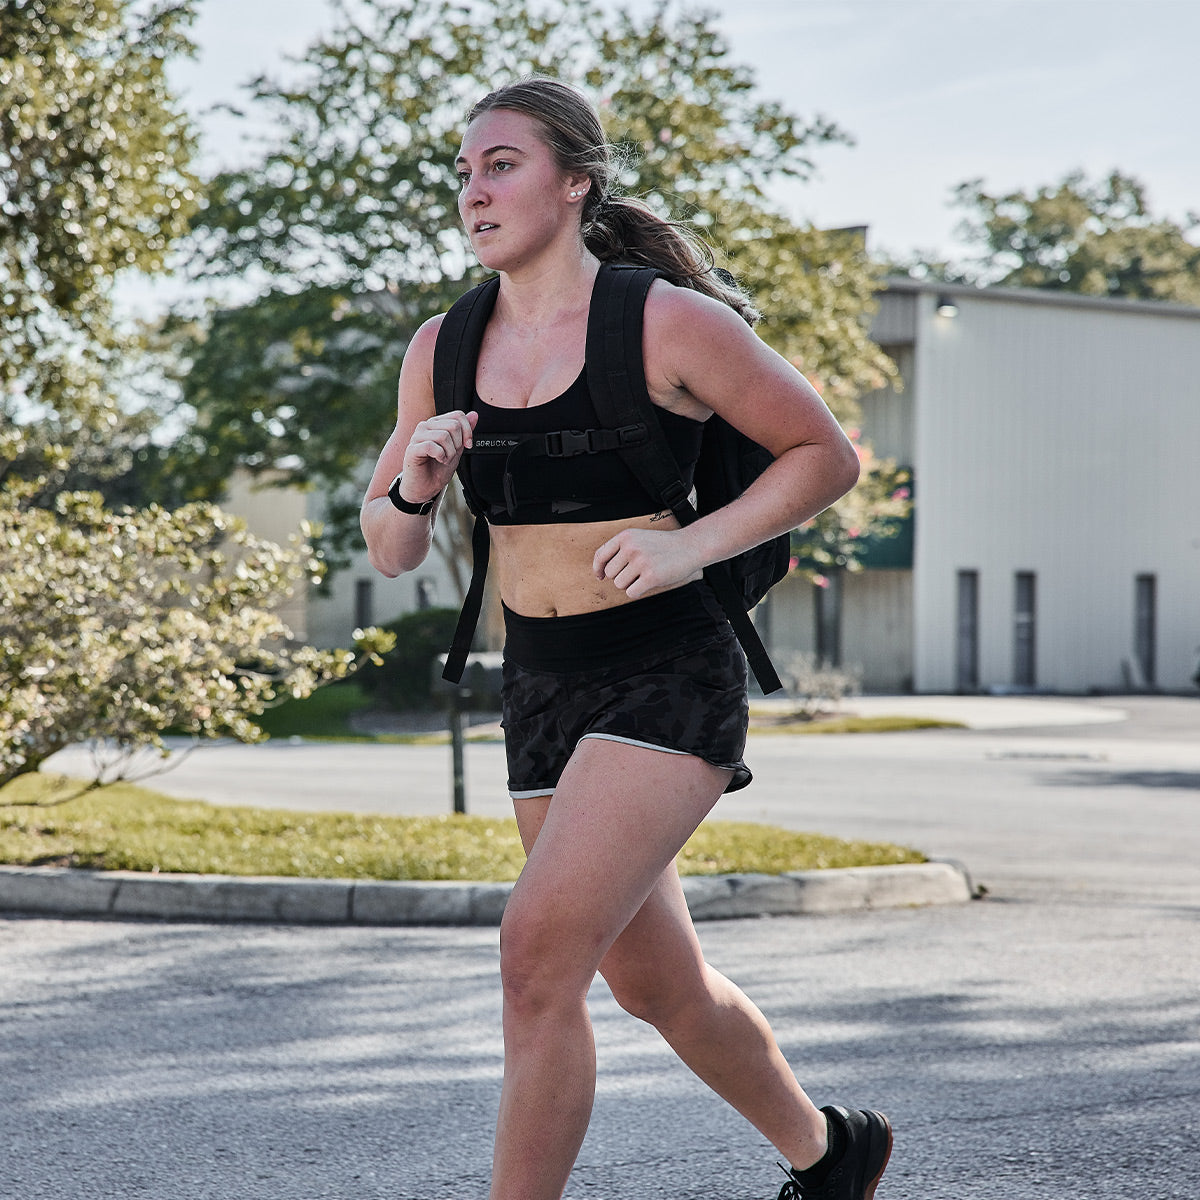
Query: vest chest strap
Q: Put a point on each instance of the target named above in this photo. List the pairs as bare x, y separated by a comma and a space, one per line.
561, 443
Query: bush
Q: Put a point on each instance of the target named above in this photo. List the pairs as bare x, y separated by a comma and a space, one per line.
402, 679
817, 687
116, 625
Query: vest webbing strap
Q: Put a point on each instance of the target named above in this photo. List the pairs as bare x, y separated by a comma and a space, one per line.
468, 617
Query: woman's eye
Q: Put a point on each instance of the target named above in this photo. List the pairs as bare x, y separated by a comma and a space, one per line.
464, 177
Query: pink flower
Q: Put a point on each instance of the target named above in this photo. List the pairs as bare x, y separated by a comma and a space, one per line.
820, 581
901, 493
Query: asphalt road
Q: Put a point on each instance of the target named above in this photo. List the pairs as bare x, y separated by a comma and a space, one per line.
1039, 1044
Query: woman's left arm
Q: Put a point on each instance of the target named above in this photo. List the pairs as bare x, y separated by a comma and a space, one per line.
700, 356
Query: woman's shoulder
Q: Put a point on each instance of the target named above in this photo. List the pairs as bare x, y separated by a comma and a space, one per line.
668, 302
427, 331
693, 322
419, 352
689, 338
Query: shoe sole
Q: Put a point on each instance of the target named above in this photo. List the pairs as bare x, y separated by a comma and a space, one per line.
872, 1184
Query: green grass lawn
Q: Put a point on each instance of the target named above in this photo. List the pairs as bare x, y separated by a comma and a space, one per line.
123, 827
849, 724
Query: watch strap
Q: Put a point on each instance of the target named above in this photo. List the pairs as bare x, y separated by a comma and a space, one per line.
407, 506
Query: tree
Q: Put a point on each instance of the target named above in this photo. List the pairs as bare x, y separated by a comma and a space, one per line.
351, 218
1099, 238
115, 622
94, 180
118, 625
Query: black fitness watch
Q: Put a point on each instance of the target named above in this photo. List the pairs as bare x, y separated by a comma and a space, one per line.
407, 506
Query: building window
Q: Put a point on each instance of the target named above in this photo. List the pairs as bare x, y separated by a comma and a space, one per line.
1025, 630
1144, 627
364, 602
827, 597
966, 669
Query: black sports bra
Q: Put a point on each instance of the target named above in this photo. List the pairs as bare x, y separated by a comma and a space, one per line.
520, 484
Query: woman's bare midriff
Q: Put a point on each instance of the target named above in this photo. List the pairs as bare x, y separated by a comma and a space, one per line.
546, 570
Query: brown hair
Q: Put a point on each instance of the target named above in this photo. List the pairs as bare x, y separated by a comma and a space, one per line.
614, 227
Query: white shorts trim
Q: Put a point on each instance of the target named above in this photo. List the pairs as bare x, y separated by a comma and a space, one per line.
612, 737
603, 737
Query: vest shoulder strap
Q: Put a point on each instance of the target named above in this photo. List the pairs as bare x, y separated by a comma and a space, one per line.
456, 351
616, 377
455, 357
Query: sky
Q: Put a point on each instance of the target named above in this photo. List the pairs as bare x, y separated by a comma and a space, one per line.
933, 92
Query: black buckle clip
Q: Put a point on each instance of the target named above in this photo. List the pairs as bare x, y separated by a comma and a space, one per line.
566, 443
675, 496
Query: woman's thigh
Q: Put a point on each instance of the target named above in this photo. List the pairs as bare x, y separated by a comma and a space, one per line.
600, 845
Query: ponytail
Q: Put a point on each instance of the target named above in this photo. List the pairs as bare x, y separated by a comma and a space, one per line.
615, 227
627, 229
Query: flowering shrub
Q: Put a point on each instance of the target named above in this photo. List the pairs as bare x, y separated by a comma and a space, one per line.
835, 538
116, 626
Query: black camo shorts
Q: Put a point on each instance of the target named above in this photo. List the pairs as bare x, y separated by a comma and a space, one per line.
665, 672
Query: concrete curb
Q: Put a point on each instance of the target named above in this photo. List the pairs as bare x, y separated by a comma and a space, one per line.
66, 892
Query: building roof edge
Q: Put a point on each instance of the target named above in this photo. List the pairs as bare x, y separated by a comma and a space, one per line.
1020, 295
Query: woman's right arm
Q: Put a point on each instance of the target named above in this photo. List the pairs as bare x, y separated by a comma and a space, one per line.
426, 449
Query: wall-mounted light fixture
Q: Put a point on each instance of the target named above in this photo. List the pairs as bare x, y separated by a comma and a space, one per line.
946, 307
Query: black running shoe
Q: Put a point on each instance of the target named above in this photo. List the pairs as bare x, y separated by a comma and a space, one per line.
868, 1146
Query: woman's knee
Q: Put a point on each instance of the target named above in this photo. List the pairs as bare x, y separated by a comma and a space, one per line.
542, 963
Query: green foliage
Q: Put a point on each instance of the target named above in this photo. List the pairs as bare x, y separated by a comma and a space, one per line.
94, 181
324, 714
351, 217
128, 828
117, 625
401, 679
1099, 238
91, 154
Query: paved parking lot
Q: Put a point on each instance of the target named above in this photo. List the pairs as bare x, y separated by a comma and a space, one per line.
1041, 1043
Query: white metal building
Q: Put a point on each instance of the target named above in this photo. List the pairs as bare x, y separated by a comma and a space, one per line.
1055, 446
